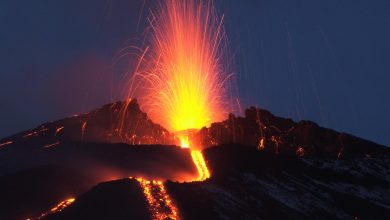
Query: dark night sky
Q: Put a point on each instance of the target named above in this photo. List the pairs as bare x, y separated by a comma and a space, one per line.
326, 61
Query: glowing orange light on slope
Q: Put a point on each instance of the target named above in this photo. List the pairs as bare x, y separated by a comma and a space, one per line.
58, 130
51, 145
182, 82
58, 208
200, 164
6, 143
36, 132
197, 158
29, 135
180, 77
160, 204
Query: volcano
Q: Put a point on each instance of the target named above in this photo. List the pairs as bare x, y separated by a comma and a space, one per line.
261, 167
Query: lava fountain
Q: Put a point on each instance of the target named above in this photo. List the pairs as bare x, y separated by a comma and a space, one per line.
181, 81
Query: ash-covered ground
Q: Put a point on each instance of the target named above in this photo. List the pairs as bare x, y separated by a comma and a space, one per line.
262, 167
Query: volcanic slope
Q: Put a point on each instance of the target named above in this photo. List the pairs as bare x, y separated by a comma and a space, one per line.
276, 168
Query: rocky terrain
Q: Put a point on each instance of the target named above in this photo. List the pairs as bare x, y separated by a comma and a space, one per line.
262, 167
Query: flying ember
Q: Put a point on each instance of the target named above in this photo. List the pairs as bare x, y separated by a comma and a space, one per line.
58, 208
181, 80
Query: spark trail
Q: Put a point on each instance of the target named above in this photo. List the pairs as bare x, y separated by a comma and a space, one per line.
58, 208
181, 80
6, 143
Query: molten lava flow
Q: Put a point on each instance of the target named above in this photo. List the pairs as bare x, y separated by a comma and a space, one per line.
160, 204
58, 208
200, 164
180, 79
198, 159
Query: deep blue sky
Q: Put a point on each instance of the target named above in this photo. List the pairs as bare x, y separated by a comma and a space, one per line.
326, 61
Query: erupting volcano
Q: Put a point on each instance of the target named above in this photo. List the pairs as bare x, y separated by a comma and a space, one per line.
181, 80
175, 152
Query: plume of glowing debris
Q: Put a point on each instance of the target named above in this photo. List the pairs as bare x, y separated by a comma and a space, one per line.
181, 79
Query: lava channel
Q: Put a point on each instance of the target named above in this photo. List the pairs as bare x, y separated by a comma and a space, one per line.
58, 208
160, 204
200, 164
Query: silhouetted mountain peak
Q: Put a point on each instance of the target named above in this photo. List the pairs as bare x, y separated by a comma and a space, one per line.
262, 167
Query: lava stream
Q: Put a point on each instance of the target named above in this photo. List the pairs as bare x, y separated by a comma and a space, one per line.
160, 204
200, 164
58, 208
197, 158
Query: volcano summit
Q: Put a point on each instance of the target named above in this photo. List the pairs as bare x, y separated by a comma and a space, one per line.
261, 167
178, 154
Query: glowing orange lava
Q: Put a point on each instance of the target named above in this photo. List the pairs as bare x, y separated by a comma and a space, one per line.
180, 80
160, 204
200, 164
58, 130
51, 145
58, 208
197, 158
6, 143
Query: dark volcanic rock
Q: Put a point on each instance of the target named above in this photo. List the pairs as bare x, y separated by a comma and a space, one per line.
121, 199
264, 167
249, 184
100, 161
284, 136
119, 122
35, 179
28, 193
